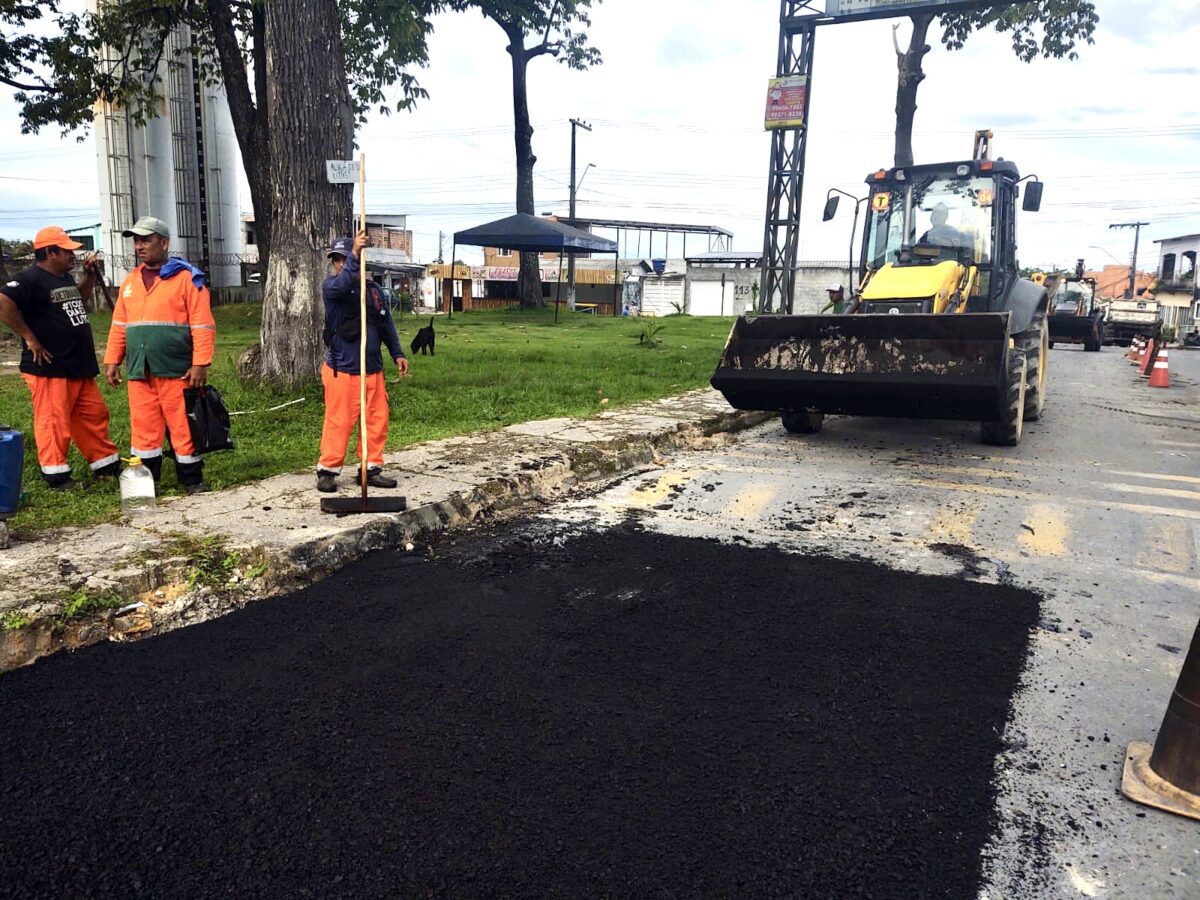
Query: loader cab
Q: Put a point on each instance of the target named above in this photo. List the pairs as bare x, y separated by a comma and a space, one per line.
960, 213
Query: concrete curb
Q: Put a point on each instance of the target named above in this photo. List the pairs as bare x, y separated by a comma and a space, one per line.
197, 558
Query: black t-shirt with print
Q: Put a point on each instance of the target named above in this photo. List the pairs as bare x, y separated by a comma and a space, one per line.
53, 309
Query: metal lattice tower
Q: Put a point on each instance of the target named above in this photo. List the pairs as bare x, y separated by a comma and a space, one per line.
786, 180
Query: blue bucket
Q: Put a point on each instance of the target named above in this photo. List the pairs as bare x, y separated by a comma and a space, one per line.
660, 266
12, 464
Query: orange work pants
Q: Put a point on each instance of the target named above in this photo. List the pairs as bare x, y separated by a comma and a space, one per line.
155, 407
65, 410
341, 418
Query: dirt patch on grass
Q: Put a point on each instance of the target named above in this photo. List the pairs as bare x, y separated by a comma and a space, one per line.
612, 714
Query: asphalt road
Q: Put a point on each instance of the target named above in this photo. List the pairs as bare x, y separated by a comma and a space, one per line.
881, 661
1098, 510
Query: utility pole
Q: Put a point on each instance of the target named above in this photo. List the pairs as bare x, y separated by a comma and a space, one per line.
575, 123
441, 242
1131, 291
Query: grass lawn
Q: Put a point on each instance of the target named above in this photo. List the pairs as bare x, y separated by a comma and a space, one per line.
492, 369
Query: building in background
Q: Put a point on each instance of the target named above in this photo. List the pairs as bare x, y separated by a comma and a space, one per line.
1112, 282
1178, 291
181, 167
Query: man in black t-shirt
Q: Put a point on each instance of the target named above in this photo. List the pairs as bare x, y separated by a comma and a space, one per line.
44, 306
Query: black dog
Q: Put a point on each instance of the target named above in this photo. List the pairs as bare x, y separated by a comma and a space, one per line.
424, 339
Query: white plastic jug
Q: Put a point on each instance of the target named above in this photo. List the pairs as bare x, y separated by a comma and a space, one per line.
137, 488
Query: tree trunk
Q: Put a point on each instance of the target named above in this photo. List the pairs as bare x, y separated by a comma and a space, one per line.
311, 120
247, 111
911, 75
529, 280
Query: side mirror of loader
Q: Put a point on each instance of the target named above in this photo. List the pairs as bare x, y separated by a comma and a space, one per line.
1033, 197
831, 205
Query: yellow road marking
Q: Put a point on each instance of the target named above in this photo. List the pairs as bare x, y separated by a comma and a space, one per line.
661, 491
1045, 530
1153, 491
1150, 476
953, 526
1014, 494
1166, 546
751, 502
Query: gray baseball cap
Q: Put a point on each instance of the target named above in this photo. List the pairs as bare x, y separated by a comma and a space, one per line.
146, 226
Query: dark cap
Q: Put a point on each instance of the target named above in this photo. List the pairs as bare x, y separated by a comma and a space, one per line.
343, 246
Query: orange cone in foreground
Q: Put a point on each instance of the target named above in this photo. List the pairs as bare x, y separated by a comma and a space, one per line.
1160, 376
1168, 776
1147, 358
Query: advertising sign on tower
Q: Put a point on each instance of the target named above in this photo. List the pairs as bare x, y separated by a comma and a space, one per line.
850, 9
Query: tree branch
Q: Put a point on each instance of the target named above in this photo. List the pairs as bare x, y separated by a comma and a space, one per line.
26, 87
550, 22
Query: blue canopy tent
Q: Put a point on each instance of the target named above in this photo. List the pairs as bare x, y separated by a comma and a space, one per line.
530, 234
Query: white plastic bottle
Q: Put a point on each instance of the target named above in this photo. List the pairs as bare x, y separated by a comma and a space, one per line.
137, 488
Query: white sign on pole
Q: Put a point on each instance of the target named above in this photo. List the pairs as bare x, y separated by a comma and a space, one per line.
850, 9
342, 171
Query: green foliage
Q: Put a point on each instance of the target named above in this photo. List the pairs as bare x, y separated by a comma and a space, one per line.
492, 369
1050, 28
84, 602
559, 24
14, 621
53, 58
651, 336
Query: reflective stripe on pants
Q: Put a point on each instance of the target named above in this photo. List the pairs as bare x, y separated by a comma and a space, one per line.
341, 418
65, 410
155, 407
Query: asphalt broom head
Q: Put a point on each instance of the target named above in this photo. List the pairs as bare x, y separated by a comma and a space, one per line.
345, 506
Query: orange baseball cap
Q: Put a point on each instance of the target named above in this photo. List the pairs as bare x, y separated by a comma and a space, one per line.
54, 236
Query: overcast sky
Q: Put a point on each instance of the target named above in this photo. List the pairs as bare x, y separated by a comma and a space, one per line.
677, 110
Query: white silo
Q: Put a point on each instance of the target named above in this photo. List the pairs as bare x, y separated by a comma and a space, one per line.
181, 166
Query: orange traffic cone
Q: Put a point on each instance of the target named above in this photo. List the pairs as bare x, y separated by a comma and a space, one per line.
1136, 346
1146, 360
1168, 777
1160, 376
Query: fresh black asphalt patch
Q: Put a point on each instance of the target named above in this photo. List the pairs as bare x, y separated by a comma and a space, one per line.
617, 714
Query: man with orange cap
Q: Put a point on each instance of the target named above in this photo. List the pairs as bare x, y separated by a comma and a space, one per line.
163, 330
44, 306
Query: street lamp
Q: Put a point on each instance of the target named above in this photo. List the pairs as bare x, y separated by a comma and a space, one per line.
583, 176
575, 123
831, 205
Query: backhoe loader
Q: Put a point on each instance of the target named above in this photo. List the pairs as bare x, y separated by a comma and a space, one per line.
941, 326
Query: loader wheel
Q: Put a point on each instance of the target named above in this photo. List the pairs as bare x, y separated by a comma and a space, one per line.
1091, 346
802, 422
1007, 432
1037, 361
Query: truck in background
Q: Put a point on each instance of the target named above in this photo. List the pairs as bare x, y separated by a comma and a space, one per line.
1126, 319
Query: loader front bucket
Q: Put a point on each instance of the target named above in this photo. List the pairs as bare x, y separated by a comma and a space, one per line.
912, 366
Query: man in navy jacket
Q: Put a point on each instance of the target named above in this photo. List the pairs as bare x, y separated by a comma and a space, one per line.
340, 373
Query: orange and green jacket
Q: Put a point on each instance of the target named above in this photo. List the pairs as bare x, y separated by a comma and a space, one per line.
164, 331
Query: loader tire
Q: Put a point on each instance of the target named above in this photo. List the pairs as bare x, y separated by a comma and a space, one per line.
1007, 432
1091, 346
1036, 344
802, 422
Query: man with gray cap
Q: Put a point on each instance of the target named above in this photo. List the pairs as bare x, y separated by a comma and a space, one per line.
163, 330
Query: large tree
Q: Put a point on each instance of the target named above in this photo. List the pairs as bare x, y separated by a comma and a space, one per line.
297, 73
554, 26
1050, 28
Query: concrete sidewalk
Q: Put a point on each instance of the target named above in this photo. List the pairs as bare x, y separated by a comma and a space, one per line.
198, 557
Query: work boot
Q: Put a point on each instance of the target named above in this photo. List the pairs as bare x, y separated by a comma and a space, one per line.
376, 478
198, 488
112, 470
326, 482
65, 483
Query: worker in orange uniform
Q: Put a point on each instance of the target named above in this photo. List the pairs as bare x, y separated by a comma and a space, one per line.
343, 321
163, 331
44, 306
